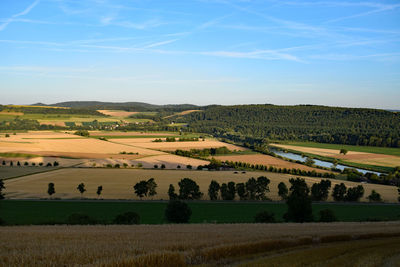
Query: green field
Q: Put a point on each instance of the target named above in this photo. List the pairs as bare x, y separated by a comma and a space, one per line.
23, 212
368, 149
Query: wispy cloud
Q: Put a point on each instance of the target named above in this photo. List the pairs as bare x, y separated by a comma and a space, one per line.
22, 13
160, 43
257, 54
374, 11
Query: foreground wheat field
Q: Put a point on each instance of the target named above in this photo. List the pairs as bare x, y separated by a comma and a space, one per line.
118, 183
183, 245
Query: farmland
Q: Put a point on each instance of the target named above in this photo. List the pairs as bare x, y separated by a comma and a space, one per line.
118, 183
183, 245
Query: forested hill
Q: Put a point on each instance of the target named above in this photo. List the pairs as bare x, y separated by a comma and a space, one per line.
128, 106
354, 126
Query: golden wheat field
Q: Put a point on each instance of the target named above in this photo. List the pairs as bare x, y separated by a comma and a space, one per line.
351, 156
200, 244
118, 183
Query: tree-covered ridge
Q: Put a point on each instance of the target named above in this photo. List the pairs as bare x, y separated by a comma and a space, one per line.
354, 126
51, 110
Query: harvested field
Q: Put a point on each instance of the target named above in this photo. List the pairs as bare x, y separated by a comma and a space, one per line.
183, 245
172, 146
268, 161
118, 183
117, 113
65, 143
351, 156
370, 252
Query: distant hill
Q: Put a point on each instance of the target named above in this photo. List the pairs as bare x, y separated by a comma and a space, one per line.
128, 106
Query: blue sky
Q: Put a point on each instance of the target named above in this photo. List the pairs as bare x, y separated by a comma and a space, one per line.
337, 53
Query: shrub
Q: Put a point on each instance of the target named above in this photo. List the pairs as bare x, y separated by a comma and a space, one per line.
82, 133
79, 218
327, 215
48, 164
177, 212
127, 218
264, 217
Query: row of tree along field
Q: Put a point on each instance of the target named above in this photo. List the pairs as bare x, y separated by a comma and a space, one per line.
353, 126
298, 199
253, 189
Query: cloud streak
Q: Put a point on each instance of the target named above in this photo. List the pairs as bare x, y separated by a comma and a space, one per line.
22, 13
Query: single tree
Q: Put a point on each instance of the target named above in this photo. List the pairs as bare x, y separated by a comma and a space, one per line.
151, 187
343, 151
213, 190
283, 190
241, 191
262, 187
309, 162
189, 167
375, 197
355, 193
320, 191
162, 166
177, 212
299, 202
189, 190
141, 188
81, 188
99, 190
51, 190
224, 191
171, 193
3, 163
251, 188
398, 191
231, 191
339, 192
1, 188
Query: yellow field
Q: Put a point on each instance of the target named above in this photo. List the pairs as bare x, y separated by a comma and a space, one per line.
351, 156
172, 146
342, 244
62, 142
118, 183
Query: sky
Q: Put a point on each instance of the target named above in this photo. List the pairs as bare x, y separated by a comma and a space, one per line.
335, 53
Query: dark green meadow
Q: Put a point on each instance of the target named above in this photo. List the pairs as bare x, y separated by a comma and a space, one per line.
26, 212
